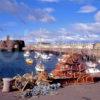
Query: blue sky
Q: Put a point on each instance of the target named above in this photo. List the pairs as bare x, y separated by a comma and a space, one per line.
50, 20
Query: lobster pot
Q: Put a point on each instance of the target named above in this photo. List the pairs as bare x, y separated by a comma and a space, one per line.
6, 84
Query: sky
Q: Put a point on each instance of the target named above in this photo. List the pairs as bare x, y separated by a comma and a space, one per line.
55, 21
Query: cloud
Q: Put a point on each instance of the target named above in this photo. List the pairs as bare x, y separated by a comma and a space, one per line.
87, 27
42, 15
89, 31
59, 37
49, 1
25, 13
77, 36
87, 9
93, 27
79, 1
41, 34
83, 1
97, 16
63, 31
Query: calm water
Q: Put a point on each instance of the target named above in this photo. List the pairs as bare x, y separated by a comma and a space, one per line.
12, 64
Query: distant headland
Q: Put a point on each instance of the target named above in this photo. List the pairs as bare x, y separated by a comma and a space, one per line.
11, 45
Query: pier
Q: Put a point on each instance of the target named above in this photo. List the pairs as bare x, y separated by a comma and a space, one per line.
56, 49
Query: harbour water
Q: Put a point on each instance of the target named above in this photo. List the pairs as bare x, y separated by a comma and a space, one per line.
13, 63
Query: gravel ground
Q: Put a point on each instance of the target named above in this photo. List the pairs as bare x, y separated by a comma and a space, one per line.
72, 92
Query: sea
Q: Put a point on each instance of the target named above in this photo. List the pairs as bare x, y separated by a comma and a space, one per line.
13, 63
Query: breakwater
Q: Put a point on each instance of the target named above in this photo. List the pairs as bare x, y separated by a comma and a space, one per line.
96, 52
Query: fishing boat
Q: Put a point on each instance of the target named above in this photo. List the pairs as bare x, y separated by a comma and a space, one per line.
99, 61
27, 54
43, 56
92, 69
40, 67
51, 55
37, 55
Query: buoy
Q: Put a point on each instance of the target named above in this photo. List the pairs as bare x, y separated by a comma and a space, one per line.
29, 61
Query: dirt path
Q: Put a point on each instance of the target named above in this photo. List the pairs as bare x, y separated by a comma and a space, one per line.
73, 92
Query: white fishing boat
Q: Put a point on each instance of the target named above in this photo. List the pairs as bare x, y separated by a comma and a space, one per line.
37, 55
40, 67
51, 55
43, 56
90, 64
92, 69
99, 61
27, 54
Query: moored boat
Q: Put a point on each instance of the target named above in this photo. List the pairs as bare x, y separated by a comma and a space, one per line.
43, 56
92, 69
27, 54
40, 67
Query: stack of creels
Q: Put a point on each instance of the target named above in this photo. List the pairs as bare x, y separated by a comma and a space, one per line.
75, 63
72, 69
74, 59
68, 66
26, 77
20, 82
29, 81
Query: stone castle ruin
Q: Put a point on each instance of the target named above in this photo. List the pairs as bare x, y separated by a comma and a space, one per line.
11, 45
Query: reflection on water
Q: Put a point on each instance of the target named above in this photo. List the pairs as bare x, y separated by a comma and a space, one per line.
12, 64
